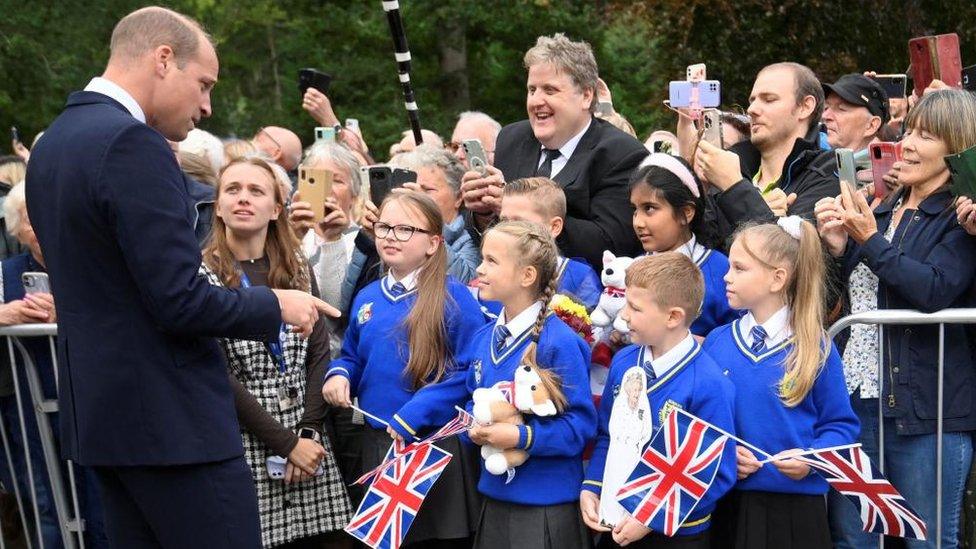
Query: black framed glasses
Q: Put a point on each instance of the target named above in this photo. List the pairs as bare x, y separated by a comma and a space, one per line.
401, 233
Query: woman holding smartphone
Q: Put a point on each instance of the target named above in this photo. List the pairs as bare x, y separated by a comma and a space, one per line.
281, 407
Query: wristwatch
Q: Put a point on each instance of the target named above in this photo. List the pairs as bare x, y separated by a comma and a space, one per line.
308, 432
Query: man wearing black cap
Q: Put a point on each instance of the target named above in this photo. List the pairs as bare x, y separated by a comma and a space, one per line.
855, 110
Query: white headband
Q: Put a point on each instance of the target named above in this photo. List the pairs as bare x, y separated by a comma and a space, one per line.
793, 225
670, 163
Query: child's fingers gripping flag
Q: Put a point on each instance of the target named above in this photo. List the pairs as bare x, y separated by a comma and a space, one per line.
677, 468
883, 510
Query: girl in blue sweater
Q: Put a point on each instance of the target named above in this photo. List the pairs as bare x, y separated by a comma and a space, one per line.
407, 331
669, 216
789, 386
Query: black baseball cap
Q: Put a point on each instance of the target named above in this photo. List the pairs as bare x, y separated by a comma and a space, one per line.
862, 91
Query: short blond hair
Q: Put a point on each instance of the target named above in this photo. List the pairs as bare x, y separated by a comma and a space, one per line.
549, 198
574, 58
148, 28
673, 280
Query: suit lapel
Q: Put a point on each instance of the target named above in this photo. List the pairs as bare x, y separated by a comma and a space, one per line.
529, 155
571, 170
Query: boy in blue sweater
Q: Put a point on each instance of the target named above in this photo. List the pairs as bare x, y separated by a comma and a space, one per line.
665, 369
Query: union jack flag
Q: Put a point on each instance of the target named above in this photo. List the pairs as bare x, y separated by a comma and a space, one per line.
395, 496
883, 510
677, 468
400, 449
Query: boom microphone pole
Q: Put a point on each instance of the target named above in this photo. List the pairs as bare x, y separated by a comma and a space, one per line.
402, 55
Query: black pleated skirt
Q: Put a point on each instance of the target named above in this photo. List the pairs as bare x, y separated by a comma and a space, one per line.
450, 510
511, 526
657, 540
770, 520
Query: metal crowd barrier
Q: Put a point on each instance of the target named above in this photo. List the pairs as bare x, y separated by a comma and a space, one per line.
64, 493
902, 317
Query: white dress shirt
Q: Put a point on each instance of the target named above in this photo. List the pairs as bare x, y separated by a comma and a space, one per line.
565, 152
106, 87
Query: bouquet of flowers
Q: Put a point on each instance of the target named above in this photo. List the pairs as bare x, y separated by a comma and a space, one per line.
574, 314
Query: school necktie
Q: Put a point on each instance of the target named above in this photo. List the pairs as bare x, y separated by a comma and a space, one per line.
649, 370
759, 336
501, 334
398, 289
545, 170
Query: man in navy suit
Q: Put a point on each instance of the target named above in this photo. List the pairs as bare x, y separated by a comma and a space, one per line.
144, 391
589, 158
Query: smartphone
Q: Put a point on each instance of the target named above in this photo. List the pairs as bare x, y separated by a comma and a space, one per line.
325, 134
895, 85
36, 283
695, 73
312, 78
475, 153
963, 168
883, 157
315, 185
712, 127
352, 123
846, 170
604, 108
14, 134
969, 78
680, 93
935, 57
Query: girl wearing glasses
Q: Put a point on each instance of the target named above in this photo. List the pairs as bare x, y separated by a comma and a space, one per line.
407, 331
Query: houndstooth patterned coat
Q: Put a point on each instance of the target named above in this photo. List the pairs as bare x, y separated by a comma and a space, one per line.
288, 511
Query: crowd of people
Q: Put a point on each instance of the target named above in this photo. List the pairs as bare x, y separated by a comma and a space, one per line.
211, 319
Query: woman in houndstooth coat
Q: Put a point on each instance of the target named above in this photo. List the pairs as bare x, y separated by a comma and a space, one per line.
277, 385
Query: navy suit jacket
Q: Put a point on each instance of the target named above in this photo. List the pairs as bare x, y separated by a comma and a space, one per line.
142, 382
595, 179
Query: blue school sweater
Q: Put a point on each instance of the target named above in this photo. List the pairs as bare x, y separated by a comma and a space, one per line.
580, 280
715, 307
554, 471
822, 420
375, 348
695, 384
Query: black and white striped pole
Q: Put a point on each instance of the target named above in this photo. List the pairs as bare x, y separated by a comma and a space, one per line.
402, 55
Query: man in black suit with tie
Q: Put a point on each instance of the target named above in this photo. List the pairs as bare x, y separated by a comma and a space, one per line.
589, 158
144, 393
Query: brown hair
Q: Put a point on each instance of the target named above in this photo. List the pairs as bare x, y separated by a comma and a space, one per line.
804, 261
148, 28
673, 280
806, 84
948, 114
535, 247
426, 331
550, 200
288, 269
197, 167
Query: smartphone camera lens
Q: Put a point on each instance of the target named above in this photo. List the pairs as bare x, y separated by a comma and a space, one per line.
877, 153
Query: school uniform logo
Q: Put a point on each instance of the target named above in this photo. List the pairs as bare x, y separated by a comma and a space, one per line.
476, 364
365, 313
666, 410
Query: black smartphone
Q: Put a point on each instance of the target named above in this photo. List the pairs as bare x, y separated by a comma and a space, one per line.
969, 78
14, 134
313, 78
894, 85
383, 179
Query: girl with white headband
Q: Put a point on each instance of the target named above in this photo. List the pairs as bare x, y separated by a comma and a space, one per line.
669, 216
789, 387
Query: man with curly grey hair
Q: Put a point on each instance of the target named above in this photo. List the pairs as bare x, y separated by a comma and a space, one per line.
589, 158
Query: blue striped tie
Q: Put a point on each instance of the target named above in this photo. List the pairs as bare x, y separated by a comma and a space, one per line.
759, 336
501, 334
649, 370
398, 289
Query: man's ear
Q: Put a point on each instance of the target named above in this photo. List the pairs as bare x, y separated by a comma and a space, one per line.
806, 107
163, 59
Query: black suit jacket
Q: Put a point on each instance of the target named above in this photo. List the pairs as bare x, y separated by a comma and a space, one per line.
595, 181
140, 381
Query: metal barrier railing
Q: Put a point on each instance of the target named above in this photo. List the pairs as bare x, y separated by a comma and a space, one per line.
884, 318
71, 525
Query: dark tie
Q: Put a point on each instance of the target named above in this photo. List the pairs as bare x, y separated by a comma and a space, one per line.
649, 370
545, 170
398, 289
501, 334
759, 336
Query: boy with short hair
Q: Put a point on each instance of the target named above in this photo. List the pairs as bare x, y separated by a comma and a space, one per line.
664, 369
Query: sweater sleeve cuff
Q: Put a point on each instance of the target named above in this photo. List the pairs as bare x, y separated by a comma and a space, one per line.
594, 486
402, 427
287, 447
337, 371
526, 438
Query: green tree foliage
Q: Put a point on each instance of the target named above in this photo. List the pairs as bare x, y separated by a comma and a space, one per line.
466, 54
